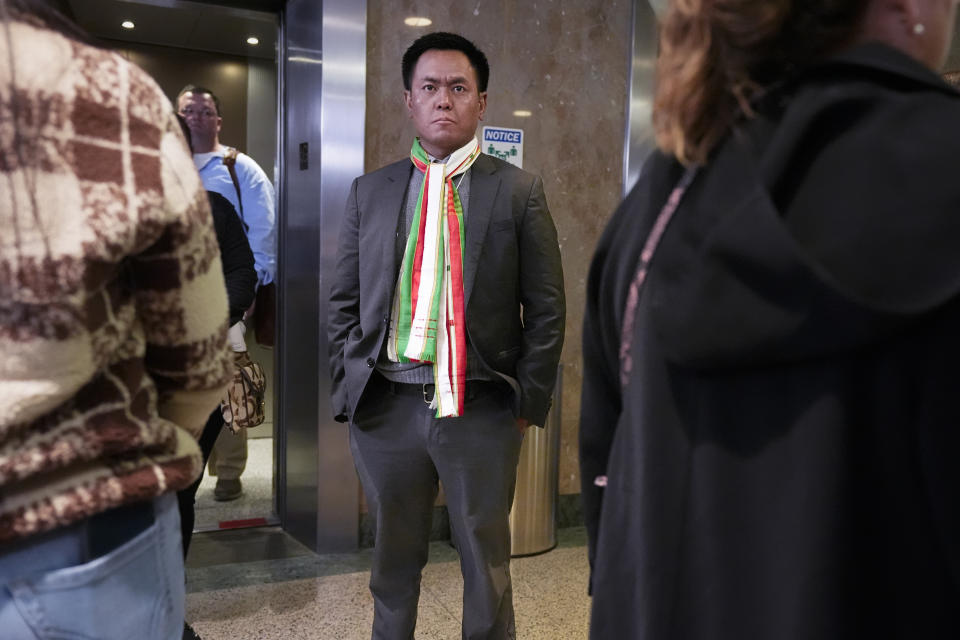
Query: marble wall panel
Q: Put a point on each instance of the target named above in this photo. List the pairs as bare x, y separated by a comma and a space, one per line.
567, 62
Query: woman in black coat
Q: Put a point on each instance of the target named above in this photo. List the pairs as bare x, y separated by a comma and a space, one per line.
769, 445
241, 280
236, 256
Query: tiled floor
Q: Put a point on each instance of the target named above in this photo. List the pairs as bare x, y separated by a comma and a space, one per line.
261, 584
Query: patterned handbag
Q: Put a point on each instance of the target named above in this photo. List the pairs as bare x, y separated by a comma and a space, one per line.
243, 407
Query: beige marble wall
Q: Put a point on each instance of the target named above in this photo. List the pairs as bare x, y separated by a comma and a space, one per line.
567, 62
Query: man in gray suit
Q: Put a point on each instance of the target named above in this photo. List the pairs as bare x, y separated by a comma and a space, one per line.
446, 326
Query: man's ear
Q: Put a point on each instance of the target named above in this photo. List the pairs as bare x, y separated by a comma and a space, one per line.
408, 100
219, 123
483, 104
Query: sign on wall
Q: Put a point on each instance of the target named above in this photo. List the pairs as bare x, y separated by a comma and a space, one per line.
503, 143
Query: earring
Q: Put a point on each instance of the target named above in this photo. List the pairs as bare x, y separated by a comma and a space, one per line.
918, 29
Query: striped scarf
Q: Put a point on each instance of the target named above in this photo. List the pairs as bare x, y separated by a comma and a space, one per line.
429, 293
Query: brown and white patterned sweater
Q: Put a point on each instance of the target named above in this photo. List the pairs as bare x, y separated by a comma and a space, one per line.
113, 312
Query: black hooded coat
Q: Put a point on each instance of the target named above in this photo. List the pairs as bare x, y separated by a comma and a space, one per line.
783, 462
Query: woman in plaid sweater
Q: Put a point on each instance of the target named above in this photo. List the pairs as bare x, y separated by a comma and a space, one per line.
113, 318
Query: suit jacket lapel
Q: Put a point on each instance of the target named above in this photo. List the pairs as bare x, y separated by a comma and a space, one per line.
390, 202
484, 186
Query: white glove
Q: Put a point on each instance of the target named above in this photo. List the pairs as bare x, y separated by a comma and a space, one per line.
235, 336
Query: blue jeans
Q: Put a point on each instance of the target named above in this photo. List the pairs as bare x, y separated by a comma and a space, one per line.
51, 588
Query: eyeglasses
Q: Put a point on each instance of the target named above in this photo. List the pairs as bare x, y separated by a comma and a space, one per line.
203, 113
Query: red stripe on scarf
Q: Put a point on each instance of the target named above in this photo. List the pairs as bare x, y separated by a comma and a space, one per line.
459, 166
459, 333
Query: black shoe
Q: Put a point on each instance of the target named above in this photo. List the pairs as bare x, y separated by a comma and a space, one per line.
189, 633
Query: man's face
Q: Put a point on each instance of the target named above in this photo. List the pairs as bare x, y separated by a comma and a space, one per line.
200, 112
444, 101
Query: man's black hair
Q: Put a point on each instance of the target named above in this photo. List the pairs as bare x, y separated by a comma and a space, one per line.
192, 88
443, 41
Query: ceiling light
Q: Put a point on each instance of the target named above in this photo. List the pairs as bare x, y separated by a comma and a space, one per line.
127, 24
522, 113
253, 40
415, 21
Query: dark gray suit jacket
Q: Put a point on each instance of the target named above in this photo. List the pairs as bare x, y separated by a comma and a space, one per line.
511, 267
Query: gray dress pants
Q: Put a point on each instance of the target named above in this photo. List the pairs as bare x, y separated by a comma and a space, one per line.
401, 450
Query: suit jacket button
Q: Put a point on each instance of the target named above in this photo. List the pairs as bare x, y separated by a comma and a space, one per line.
371, 362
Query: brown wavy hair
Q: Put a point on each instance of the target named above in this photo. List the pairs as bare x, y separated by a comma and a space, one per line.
718, 56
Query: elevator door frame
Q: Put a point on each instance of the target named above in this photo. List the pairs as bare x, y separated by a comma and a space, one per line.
639, 135
322, 71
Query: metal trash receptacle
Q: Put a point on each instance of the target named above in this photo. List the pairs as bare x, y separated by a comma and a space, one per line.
533, 519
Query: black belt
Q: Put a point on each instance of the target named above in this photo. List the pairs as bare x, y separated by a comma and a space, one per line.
475, 389
108, 530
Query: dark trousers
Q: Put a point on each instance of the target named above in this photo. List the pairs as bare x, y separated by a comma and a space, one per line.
187, 497
401, 452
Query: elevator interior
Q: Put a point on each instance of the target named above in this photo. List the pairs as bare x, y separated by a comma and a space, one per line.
233, 52
295, 116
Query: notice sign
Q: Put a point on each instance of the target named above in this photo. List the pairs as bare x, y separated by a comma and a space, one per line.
506, 144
